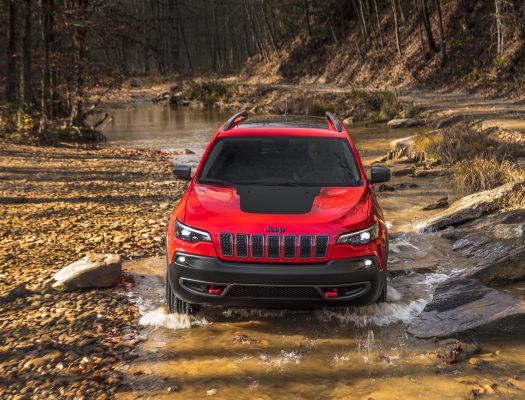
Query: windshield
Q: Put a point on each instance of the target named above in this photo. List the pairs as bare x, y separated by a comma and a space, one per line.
287, 161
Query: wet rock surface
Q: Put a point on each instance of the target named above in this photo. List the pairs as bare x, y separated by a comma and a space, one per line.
91, 271
404, 123
508, 268
461, 306
492, 247
56, 205
471, 207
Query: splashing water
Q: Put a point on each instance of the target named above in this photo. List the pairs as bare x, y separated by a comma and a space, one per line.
405, 303
159, 318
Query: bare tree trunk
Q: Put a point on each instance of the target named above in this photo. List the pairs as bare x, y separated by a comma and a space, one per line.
499, 25
268, 28
426, 24
307, 17
215, 40
419, 23
80, 44
378, 24
361, 20
401, 11
441, 33
183, 37
398, 45
26, 72
47, 9
332, 30
12, 84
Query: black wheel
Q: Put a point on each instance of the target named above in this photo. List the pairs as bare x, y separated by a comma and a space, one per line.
383, 296
176, 305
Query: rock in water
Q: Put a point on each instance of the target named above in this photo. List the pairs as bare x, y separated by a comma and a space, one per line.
403, 123
505, 269
471, 207
440, 203
93, 270
462, 306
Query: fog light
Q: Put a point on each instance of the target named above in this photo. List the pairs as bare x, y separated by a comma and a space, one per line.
181, 259
368, 262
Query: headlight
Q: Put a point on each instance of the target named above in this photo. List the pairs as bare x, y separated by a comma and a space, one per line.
360, 237
188, 234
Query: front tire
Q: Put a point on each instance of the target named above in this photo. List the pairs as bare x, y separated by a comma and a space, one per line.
176, 305
383, 296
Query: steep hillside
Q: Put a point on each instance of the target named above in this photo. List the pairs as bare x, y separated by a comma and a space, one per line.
473, 60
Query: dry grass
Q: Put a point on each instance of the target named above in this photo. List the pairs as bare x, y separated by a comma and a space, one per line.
478, 161
471, 176
515, 200
459, 142
464, 141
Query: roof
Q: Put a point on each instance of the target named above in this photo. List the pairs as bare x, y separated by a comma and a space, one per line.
280, 125
290, 121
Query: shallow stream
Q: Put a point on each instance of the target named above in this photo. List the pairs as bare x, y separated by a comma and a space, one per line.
348, 353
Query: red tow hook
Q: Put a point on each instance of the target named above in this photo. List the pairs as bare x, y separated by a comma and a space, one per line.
214, 290
331, 293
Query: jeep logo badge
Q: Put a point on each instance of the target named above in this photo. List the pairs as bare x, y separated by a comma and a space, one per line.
271, 229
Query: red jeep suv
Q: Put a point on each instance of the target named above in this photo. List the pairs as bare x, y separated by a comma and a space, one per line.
279, 213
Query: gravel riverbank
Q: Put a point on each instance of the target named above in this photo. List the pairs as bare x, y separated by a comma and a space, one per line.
56, 205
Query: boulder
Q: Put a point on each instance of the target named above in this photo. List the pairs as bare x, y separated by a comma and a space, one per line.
491, 237
91, 271
440, 203
464, 306
471, 207
403, 123
509, 268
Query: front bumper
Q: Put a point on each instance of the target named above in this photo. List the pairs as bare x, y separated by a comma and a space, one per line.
277, 285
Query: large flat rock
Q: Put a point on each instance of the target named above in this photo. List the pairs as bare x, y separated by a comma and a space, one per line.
471, 207
91, 271
508, 268
464, 306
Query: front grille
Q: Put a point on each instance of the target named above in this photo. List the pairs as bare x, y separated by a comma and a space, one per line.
289, 246
305, 247
241, 245
274, 246
226, 240
257, 246
321, 245
274, 292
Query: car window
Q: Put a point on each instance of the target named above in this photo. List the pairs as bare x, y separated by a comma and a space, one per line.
287, 161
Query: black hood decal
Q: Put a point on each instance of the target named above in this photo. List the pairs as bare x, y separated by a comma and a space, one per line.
277, 199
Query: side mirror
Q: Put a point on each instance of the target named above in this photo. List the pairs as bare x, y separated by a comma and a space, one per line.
182, 171
378, 174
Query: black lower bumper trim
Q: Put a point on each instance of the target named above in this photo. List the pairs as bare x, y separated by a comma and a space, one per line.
335, 283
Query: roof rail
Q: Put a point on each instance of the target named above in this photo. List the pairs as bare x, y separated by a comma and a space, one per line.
242, 115
333, 120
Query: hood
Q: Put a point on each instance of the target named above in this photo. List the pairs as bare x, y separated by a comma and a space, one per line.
330, 210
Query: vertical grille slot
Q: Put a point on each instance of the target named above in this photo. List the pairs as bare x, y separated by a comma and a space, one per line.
289, 246
321, 245
273, 246
257, 246
305, 246
226, 243
241, 245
